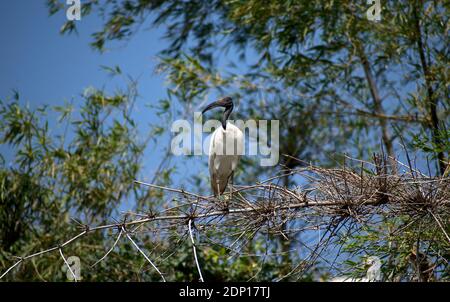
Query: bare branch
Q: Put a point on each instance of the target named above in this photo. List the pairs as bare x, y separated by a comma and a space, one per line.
110, 250
335, 200
195, 251
143, 254
68, 266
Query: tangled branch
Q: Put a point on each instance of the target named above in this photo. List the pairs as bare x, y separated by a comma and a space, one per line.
326, 200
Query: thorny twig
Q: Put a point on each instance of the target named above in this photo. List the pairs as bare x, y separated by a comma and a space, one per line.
328, 198
68, 266
143, 254
195, 251
110, 250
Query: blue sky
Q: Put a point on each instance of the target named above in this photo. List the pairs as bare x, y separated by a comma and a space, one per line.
46, 67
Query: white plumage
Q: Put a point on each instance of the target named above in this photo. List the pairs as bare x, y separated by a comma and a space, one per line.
225, 147
223, 161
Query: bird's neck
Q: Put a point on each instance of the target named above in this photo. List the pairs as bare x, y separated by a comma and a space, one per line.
225, 116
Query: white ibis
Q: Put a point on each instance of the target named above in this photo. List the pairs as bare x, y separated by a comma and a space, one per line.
373, 272
227, 143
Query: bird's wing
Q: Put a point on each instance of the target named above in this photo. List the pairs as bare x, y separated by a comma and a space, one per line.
218, 184
221, 165
212, 158
218, 163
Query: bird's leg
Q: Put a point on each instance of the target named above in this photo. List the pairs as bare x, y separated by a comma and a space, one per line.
218, 193
231, 184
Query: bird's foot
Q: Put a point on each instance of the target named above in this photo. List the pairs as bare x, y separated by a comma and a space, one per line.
224, 201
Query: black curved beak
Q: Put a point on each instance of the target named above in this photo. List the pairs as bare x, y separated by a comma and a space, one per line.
211, 106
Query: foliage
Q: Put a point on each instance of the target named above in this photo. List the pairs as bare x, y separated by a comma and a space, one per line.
338, 83
82, 166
